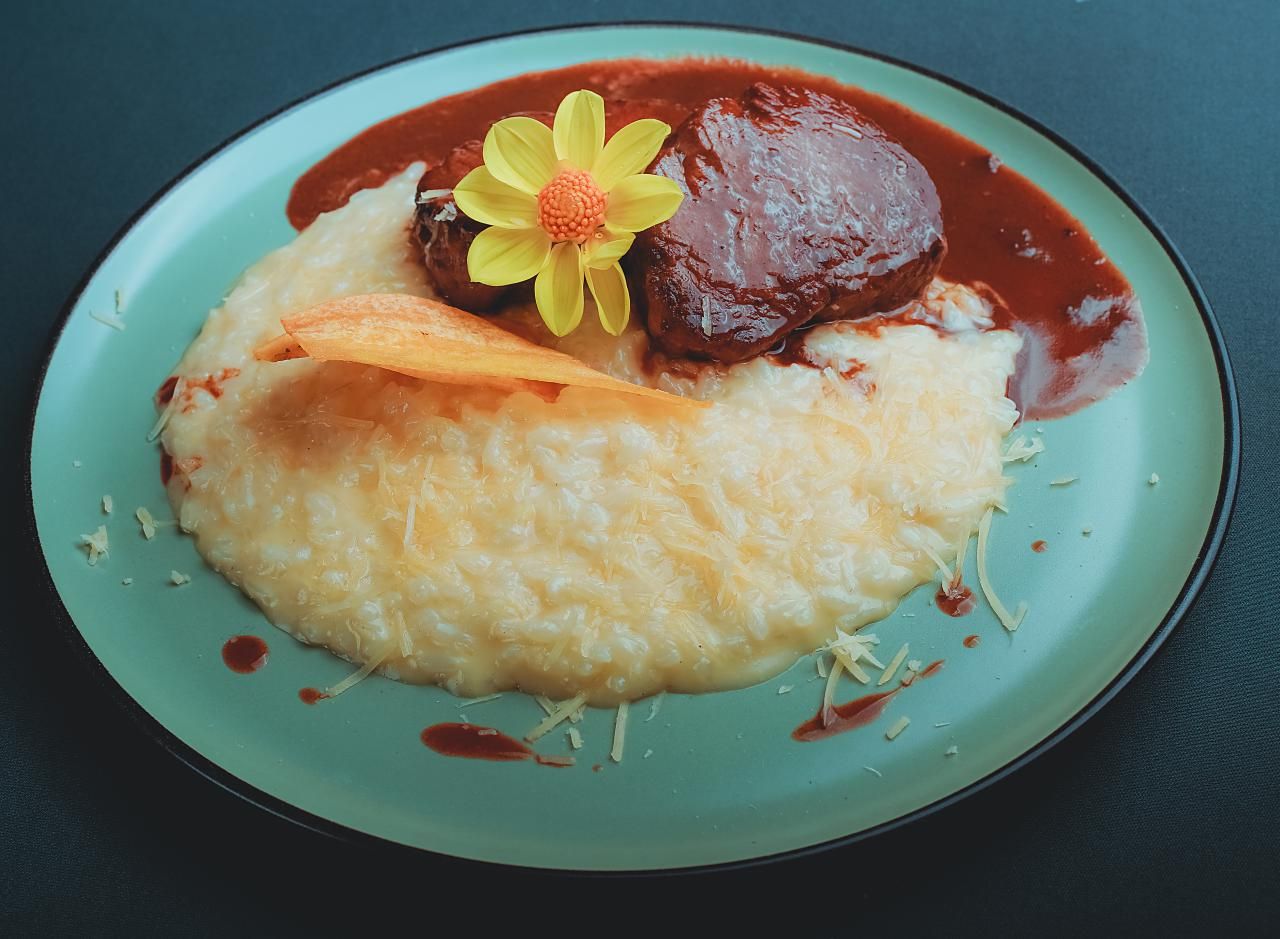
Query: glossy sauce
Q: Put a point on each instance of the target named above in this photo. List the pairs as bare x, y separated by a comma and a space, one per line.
971, 642
856, 713
932, 668
954, 599
1082, 328
483, 743
1039, 546
244, 654
311, 695
166, 466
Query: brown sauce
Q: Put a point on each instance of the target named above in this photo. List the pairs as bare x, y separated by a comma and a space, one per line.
244, 654
971, 642
1039, 546
1081, 324
483, 743
856, 713
954, 599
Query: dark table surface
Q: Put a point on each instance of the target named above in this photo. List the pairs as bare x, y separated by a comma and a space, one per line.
1159, 816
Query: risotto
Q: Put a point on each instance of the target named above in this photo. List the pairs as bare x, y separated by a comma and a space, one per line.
593, 544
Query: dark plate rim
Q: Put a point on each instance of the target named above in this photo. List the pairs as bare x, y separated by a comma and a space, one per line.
233, 784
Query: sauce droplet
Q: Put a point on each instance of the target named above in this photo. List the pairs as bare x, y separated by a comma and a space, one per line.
971, 642
954, 599
1039, 546
244, 654
932, 668
483, 743
311, 695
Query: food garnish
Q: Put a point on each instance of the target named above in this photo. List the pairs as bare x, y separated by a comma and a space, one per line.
431, 340
563, 205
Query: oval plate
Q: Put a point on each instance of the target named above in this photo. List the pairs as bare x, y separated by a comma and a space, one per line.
711, 779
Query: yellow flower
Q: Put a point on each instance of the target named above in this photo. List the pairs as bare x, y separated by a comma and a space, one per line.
564, 205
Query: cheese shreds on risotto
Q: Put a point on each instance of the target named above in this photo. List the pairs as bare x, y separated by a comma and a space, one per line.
586, 545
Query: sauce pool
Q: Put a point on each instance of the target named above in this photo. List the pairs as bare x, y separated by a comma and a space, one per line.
244, 654
1039, 546
483, 743
971, 642
856, 713
954, 599
1082, 329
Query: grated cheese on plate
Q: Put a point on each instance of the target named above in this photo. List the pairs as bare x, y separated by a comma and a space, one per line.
892, 668
786, 689
1063, 480
898, 727
654, 705
951, 750
108, 319
1009, 621
1022, 449
575, 738
107, 505
147, 522
558, 715
96, 544
619, 732
177, 578
1154, 479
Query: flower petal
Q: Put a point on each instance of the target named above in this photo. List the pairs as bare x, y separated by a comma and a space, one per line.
558, 289
501, 256
629, 151
579, 128
613, 300
490, 201
640, 202
605, 247
519, 151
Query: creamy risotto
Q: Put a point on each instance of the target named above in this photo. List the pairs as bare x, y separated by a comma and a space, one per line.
593, 544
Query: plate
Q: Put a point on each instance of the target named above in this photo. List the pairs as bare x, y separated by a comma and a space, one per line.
710, 779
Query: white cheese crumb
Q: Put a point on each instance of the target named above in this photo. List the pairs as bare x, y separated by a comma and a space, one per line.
898, 727
119, 301
178, 578
951, 750
427, 195
1011, 622
127, 581
96, 544
464, 719
943, 724
821, 664
619, 732
892, 667
1022, 449
1063, 480
76, 464
914, 665
872, 769
786, 689
1086, 532
107, 505
446, 214
108, 319
1155, 478
647, 754
575, 738
146, 521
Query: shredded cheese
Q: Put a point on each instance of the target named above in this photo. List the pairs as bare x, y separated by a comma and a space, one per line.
892, 668
127, 581
849, 650
357, 676
947, 576
828, 692
1154, 478
158, 427
1022, 449
575, 738
177, 578
146, 521
619, 732
447, 214
943, 724
872, 769
654, 705
914, 665
898, 727
108, 319
107, 505
1008, 621
786, 689
408, 519
428, 195
647, 754
1063, 480
951, 750
96, 544
821, 663
485, 700
558, 715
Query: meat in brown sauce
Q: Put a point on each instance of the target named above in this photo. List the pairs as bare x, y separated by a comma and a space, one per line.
444, 234
798, 209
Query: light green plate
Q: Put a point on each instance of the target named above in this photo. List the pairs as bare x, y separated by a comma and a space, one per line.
723, 781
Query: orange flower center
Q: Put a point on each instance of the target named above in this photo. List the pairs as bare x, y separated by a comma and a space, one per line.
571, 206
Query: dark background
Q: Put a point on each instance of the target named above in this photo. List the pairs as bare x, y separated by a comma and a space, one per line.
1158, 817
